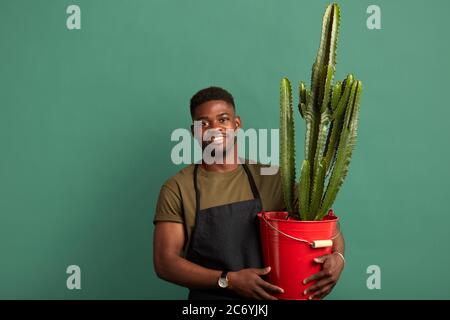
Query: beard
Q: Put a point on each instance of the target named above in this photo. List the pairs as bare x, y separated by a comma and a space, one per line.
218, 151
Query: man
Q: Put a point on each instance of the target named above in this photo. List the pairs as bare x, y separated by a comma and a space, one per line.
206, 230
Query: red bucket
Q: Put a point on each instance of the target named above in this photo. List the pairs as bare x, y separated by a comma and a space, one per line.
288, 248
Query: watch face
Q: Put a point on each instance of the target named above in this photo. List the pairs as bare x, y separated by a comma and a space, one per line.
223, 282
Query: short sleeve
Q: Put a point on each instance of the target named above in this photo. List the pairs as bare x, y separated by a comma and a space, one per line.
169, 206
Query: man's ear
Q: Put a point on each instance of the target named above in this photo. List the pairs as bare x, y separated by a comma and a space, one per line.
237, 121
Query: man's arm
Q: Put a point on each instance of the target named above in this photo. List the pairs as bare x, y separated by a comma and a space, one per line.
168, 242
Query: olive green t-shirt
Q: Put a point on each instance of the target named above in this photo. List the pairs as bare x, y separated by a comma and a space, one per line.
176, 202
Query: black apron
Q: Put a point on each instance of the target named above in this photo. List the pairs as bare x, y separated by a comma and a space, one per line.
226, 238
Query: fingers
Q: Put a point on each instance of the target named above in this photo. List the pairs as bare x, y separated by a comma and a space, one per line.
263, 295
263, 271
270, 287
318, 286
320, 294
321, 259
263, 288
332, 268
317, 276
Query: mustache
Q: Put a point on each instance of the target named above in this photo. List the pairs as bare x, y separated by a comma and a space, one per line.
213, 134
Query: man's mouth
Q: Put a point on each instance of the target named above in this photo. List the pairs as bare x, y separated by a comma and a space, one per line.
217, 140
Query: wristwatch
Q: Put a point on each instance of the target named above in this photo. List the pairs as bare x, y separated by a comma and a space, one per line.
223, 280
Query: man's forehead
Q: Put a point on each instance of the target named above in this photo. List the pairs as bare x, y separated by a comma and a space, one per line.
214, 108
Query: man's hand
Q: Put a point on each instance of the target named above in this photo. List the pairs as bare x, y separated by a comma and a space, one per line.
333, 264
249, 284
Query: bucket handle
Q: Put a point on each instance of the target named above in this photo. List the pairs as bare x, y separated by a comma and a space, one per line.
314, 244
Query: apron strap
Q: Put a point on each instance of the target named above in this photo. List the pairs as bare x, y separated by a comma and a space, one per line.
197, 193
250, 180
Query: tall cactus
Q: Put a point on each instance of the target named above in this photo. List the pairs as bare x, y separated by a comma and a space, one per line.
331, 116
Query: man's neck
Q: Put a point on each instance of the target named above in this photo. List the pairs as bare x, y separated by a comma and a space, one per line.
230, 163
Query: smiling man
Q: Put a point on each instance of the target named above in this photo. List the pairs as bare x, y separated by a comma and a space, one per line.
206, 230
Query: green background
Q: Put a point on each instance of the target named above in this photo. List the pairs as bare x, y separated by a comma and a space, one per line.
86, 117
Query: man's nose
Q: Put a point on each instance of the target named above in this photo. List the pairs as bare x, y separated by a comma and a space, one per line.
218, 126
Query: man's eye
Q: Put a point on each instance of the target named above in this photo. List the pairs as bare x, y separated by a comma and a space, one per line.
222, 120
205, 123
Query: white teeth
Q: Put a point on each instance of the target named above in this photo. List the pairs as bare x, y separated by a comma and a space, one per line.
217, 140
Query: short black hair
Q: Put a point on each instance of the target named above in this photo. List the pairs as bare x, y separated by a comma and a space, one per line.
208, 94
